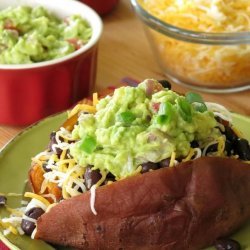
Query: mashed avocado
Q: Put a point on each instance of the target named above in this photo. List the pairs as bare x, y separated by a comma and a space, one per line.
29, 35
143, 124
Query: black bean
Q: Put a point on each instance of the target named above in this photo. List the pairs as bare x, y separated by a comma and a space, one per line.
29, 226
227, 244
212, 148
45, 168
165, 84
68, 155
229, 147
230, 134
242, 148
149, 166
53, 141
164, 163
194, 144
79, 188
91, 177
220, 120
3, 200
109, 177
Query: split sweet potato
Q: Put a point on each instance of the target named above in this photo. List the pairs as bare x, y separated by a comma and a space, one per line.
183, 207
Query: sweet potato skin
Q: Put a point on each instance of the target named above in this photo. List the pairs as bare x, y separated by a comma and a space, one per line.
184, 207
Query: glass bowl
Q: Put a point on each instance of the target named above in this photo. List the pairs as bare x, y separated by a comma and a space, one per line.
208, 62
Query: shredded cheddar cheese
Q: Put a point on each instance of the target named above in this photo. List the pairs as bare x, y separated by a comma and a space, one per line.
237, 132
222, 65
190, 155
202, 15
221, 146
38, 197
95, 99
172, 159
82, 107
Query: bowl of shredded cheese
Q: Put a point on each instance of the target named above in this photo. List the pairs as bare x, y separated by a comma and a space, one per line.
201, 44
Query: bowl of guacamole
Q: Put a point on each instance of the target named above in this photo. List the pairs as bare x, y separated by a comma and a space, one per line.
48, 54
31, 35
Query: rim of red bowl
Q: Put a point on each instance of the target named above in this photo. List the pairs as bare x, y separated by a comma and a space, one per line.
94, 21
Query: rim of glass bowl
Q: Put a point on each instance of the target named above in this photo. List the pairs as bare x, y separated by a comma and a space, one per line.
172, 31
97, 28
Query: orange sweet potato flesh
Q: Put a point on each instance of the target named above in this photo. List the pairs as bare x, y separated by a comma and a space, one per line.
184, 207
36, 179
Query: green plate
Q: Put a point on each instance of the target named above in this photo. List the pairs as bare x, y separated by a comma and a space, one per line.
15, 159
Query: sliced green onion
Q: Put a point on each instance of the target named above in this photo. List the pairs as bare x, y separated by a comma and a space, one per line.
162, 119
197, 101
165, 113
194, 97
185, 109
200, 107
127, 117
88, 144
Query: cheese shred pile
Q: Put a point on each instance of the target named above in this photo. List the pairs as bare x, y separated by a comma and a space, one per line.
206, 65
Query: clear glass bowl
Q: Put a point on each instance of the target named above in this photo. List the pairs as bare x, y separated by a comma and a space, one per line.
209, 62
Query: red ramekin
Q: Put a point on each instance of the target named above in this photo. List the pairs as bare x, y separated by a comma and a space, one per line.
102, 7
30, 92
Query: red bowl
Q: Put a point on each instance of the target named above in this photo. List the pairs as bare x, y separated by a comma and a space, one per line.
101, 6
30, 92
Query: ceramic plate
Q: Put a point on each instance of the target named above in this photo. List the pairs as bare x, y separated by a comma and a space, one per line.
15, 161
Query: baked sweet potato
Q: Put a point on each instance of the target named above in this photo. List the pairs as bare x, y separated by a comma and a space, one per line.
184, 207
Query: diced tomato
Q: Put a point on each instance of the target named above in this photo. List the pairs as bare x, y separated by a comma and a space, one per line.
152, 87
156, 106
66, 20
10, 26
75, 42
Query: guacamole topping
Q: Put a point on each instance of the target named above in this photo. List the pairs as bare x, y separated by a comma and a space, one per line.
137, 125
30, 35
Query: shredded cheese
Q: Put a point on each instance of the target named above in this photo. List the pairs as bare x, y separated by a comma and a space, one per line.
237, 132
190, 155
221, 146
29, 219
95, 99
197, 152
11, 194
8, 228
92, 192
82, 107
204, 65
219, 111
33, 234
37, 197
14, 211
52, 196
92, 199
172, 159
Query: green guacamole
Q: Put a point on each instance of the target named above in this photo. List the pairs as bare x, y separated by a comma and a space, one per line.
30, 35
143, 124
